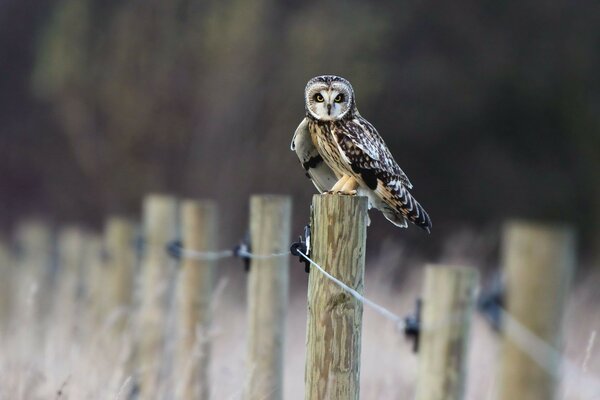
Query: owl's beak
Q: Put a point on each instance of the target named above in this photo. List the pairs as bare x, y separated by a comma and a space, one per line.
328, 109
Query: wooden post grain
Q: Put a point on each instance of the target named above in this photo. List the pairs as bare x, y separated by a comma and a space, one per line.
334, 324
119, 240
71, 256
194, 292
160, 228
268, 282
538, 261
448, 302
90, 300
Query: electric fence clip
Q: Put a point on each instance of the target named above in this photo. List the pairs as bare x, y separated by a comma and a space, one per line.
412, 326
303, 246
243, 251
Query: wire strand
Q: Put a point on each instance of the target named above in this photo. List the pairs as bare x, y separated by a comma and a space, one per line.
206, 255
396, 319
218, 255
247, 254
547, 356
540, 351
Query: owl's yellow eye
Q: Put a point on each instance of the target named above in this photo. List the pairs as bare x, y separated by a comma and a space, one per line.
339, 98
319, 98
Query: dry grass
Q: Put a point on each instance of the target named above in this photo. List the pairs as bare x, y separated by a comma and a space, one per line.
58, 361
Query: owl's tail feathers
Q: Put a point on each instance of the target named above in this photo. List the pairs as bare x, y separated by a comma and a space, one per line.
400, 207
413, 211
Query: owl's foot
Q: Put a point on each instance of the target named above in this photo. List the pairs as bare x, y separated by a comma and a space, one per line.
349, 187
339, 185
346, 185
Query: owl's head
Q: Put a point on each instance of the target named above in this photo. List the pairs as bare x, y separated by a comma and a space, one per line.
329, 98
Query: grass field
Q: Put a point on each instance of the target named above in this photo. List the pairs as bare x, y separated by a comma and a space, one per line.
88, 363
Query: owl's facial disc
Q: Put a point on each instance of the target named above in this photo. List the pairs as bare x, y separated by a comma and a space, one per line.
328, 102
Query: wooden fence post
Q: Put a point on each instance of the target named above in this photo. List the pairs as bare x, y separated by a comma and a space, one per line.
194, 291
90, 292
448, 302
539, 261
334, 327
119, 248
268, 282
71, 257
160, 228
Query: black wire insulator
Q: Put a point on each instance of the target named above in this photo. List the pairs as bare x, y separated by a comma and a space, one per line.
412, 326
174, 249
240, 251
302, 246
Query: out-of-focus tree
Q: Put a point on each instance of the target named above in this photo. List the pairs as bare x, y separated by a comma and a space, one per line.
184, 96
491, 108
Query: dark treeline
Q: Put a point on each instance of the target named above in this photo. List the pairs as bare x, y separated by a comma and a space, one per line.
492, 108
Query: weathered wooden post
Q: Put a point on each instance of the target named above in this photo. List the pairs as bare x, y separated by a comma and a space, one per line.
119, 240
71, 257
538, 261
194, 291
334, 328
448, 302
160, 228
268, 282
91, 286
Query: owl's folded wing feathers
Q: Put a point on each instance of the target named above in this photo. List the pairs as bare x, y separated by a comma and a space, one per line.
317, 170
375, 154
364, 150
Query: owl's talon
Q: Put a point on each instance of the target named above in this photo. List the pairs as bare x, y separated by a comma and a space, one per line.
350, 186
339, 185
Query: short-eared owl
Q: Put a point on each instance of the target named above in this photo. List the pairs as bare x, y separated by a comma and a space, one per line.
343, 153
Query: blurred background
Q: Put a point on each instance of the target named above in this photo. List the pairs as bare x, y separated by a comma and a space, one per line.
492, 108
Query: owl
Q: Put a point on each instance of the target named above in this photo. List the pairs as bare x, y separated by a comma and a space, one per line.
343, 153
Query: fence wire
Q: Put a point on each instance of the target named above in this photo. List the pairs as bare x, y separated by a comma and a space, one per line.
545, 355
219, 255
398, 321
206, 255
384, 312
246, 254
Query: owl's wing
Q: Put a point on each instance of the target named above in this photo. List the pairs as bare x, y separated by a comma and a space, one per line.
375, 154
366, 153
319, 173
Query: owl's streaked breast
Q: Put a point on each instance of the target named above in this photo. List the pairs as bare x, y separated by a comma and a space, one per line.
322, 135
